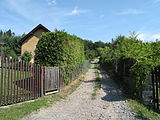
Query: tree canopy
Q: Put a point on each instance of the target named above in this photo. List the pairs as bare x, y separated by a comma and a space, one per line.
11, 47
91, 48
145, 56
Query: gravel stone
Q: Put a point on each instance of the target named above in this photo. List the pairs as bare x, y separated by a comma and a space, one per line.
108, 105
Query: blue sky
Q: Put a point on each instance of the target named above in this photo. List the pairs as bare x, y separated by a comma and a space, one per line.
89, 19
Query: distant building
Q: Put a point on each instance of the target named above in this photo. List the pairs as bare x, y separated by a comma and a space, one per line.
28, 42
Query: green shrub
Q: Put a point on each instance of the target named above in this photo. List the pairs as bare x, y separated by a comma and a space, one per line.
60, 49
27, 56
130, 61
9, 52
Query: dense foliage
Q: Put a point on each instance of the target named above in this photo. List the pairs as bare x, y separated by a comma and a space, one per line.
91, 48
60, 49
27, 56
11, 47
131, 60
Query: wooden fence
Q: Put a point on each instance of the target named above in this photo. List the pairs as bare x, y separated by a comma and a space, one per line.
20, 81
52, 79
24, 81
55, 76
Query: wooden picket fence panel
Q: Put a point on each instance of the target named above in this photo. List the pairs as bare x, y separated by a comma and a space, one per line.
20, 81
52, 81
23, 81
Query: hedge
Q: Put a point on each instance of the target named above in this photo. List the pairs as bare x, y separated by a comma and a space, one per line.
59, 48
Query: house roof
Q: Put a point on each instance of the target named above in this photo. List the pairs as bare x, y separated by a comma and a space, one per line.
40, 26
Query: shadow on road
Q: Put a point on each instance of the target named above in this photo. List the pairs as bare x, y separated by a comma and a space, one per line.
89, 81
112, 91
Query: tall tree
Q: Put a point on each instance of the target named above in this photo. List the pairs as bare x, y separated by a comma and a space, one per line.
11, 43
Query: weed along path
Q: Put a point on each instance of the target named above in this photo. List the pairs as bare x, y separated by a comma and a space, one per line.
108, 105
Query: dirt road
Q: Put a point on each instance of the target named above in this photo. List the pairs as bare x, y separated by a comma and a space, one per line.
109, 104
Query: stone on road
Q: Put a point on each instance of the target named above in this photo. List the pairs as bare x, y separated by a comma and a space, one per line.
108, 105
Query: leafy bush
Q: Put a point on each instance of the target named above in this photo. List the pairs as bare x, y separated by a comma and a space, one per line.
10, 40
131, 60
9, 52
27, 56
60, 49
90, 48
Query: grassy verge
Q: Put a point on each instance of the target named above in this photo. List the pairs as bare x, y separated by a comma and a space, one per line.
18, 111
136, 107
97, 83
143, 111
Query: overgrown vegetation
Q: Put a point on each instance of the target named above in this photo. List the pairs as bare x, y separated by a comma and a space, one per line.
60, 49
97, 83
131, 61
143, 111
27, 56
90, 48
10, 40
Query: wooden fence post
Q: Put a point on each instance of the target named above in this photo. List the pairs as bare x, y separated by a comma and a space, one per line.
42, 81
2, 79
157, 89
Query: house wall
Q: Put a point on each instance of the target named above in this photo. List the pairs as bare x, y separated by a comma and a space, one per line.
30, 44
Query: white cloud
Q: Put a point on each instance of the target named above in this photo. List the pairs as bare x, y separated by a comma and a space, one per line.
156, 36
148, 36
77, 11
40, 11
130, 12
51, 2
141, 36
29, 16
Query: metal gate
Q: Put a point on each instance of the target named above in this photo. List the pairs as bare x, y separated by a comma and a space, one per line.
52, 79
156, 87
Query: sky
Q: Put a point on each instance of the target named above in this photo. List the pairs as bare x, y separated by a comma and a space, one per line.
89, 19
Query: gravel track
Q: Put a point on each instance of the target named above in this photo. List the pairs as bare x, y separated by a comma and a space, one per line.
108, 105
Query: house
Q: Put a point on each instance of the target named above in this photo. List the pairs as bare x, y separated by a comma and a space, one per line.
28, 42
